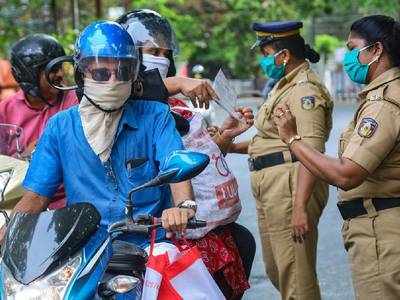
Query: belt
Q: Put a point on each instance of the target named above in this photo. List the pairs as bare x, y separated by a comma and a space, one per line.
270, 160
354, 208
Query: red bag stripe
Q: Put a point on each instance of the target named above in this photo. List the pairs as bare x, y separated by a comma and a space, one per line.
158, 263
182, 263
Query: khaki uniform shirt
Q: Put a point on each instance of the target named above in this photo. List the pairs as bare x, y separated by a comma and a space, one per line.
309, 102
372, 138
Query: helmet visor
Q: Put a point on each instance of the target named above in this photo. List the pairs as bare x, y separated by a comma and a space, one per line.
103, 69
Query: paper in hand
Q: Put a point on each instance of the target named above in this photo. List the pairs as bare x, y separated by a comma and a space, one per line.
227, 96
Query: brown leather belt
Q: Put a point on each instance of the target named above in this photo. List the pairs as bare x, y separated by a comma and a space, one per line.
354, 208
270, 160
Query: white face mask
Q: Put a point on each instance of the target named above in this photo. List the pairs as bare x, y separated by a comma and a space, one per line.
108, 96
156, 62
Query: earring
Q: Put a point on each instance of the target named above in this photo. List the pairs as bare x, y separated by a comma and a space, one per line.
284, 62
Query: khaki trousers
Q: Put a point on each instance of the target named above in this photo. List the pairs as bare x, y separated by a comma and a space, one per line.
290, 266
373, 246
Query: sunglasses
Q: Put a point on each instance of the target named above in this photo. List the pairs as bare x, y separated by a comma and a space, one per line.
123, 73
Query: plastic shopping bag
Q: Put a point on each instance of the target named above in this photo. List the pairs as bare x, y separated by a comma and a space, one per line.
179, 276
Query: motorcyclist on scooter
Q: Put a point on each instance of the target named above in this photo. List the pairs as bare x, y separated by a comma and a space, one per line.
155, 39
108, 144
37, 101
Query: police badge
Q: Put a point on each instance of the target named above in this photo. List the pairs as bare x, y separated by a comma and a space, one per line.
307, 102
367, 127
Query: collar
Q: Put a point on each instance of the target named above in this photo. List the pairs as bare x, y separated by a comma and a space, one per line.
128, 118
20, 95
292, 75
382, 79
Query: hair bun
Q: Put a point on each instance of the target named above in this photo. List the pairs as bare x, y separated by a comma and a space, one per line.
311, 54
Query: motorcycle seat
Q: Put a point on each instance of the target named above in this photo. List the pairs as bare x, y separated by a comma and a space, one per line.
127, 258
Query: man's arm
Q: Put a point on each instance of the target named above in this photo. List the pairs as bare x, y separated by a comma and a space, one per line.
175, 218
199, 91
181, 191
31, 203
167, 140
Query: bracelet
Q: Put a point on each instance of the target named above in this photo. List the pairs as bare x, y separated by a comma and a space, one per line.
292, 139
189, 204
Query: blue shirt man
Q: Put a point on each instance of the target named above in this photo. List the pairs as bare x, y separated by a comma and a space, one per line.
146, 132
107, 145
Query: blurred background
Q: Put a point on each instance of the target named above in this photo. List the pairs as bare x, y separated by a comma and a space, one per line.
212, 33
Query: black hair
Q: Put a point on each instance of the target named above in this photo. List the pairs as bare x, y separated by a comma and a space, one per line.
379, 28
297, 47
172, 67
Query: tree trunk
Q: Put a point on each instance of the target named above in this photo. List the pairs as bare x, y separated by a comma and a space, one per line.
75, 14
54, 15
98, 9
127, 4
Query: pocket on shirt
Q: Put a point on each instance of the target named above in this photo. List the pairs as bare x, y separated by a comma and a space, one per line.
139, 169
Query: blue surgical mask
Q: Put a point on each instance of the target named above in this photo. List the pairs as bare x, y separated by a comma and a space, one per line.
267, 64
357, 71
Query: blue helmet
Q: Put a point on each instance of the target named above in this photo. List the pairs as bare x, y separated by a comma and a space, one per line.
106, 39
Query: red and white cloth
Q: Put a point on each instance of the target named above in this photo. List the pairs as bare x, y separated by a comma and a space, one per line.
178, 274
220, 254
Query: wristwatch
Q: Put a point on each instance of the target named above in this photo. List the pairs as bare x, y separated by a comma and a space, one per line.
188, 204
294, 138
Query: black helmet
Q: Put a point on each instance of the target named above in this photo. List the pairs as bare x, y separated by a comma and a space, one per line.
29, 56
149, 29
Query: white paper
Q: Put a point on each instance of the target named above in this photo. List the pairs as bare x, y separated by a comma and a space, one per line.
227, 96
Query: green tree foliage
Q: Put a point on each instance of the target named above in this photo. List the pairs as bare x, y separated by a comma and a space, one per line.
211, 32
326, 44
218, 33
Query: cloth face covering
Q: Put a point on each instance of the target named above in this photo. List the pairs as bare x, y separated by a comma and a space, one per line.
267, 64
100, 126
156, 62
357, 71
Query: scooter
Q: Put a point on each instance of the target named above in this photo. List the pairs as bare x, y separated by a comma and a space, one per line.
65, 254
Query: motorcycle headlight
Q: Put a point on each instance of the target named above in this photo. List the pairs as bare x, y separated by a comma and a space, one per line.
122, 284
4, 179
52, 286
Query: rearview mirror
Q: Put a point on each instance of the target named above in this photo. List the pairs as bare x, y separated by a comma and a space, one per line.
188, 164
180, 165
5, 177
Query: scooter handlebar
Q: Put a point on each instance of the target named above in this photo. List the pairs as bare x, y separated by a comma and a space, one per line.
194, 223
122, 226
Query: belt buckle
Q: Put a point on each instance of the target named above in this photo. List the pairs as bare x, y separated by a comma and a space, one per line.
250, 161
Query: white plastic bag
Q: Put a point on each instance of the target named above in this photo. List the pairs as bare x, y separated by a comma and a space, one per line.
215, 189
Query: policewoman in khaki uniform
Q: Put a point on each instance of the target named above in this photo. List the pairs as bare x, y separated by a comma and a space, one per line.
289, 200
368, 170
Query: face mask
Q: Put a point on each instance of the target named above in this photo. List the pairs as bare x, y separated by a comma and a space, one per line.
267, 64
355, 70
156, 62
108, 96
